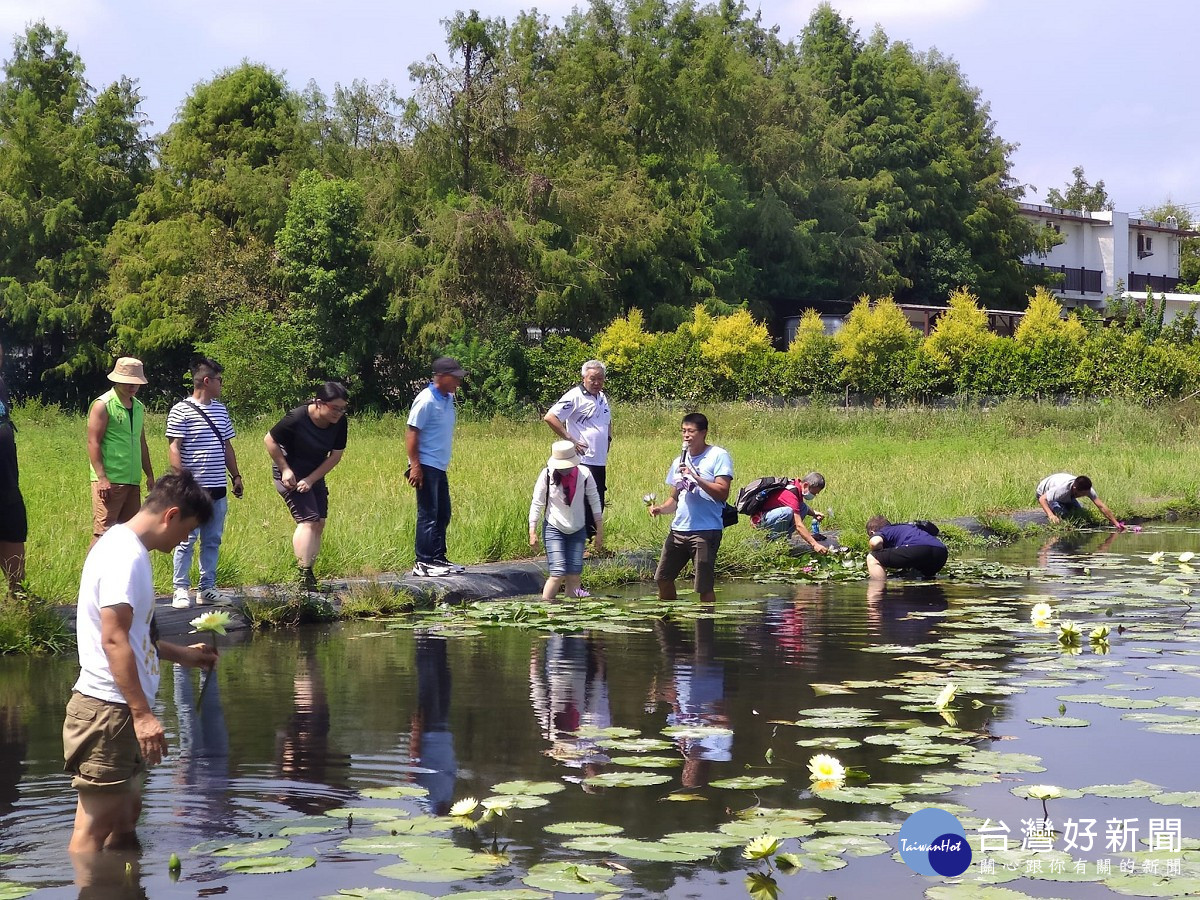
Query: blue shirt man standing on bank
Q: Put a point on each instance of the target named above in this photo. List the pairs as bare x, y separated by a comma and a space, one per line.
429, 441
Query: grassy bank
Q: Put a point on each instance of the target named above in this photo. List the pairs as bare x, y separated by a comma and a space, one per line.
903, 463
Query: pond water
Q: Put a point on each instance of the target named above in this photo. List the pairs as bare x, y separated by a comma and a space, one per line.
348, 743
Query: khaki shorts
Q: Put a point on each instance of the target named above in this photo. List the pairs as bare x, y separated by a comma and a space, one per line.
100, 746
121, 505
700, 547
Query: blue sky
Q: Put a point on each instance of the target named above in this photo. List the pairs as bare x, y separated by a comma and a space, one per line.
1100, 83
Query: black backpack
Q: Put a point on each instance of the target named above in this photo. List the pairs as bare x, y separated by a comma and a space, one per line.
928, 527
751, 498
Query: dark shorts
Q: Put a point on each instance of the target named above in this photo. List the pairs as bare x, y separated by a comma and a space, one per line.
14, 526
100, 746
925, 559
309, 506
699, 548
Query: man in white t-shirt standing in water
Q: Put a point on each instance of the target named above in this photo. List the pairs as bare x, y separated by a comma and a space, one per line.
200, 440
111, 734
582, 416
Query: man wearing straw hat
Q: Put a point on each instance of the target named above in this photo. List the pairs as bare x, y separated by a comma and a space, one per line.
117, 449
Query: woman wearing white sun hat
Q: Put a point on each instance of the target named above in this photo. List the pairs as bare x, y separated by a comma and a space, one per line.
562, 489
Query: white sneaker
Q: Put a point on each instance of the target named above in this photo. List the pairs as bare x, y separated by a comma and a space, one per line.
209, 597
182, 598
430, 570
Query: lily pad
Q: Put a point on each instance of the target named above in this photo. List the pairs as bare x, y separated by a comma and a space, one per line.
253, 848
575, 829
12, 890
636, 745
395, 792
528, 787
1154, 885
650, 762
1135, 788
377, 894
442, 865
269, 865
368, 813
853, 844
747, 782
571, 878
1059, 721
696, 732
1177, 798
626, 779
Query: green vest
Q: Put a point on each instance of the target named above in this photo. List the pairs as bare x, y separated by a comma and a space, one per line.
121, 446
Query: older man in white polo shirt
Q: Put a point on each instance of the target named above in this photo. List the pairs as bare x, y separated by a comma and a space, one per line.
582, 416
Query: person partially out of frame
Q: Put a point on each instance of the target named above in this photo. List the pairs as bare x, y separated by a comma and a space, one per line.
110, 734
14, 524
304, 446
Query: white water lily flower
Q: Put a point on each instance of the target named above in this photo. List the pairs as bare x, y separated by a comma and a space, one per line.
1044, 791
824, 767
1068, 633
464, 807
945, 696
761, 847
1157, 557
215, 622
1099, 633
1186, 569
649, 498
1187, 556
1041, 612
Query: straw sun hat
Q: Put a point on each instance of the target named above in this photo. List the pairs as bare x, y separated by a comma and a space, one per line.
562, 455
128, 371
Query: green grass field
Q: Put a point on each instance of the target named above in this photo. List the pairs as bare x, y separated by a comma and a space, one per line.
901, 463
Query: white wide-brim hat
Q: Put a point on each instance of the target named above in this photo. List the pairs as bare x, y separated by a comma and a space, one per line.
562, 455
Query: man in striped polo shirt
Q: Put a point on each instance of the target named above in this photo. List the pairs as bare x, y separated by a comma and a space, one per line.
200, 441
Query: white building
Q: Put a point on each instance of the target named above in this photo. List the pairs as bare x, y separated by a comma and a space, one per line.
1100, 249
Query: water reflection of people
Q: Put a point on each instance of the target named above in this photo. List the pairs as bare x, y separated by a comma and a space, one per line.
14, 742
890, 609
568, 687
203, 764
696, 693
114, 875
1059, 555
431, 742
302, 748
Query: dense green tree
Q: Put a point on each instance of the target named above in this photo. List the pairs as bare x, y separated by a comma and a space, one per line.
71, 164
1080, 194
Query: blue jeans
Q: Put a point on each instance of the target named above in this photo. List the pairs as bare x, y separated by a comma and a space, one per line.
1070, 507
210, 543
433, 515
564, 551
779, 522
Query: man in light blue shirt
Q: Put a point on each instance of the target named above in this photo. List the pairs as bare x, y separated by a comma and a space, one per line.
699, 480
428, 441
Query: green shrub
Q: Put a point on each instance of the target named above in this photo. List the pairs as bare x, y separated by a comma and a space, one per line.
495, 372
807, 368
552, 367
875, 347
959, 341
1049, 348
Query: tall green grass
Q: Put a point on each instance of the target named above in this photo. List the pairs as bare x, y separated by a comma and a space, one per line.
901, 463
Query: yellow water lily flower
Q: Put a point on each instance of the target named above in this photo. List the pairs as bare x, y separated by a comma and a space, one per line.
1041, 612
1044, 791
1068, 633
215, 622
945, 696
1187, 556
1099, 633
464, 807
824, 767
497, 805
761, 847
1157, 557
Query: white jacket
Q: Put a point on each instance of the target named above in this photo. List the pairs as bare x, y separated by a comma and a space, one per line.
567, 518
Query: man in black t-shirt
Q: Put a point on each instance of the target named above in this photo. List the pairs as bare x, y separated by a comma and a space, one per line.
14, 526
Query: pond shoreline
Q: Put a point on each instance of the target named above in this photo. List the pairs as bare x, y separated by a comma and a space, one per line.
512, 578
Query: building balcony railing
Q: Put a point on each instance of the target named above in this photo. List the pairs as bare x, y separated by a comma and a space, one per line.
1074, 281
1164, 284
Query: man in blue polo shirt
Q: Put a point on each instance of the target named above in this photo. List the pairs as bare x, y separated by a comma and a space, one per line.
699, 480
428, 441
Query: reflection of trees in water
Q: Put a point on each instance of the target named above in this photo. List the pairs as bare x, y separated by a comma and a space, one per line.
431, 743
302, 748
568, 689
14, 743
